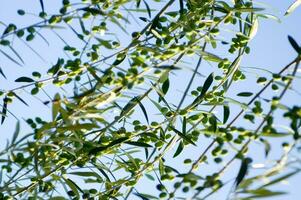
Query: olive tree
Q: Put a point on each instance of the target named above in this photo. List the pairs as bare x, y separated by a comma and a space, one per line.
136, 104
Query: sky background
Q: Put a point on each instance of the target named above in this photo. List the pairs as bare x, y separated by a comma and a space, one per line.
270, 50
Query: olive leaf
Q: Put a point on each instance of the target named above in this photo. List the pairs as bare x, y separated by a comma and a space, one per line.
293, 7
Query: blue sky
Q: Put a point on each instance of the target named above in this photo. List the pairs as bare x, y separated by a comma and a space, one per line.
270, 50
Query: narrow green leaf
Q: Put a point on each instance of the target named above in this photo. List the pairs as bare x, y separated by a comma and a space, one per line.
294, 44
267, 146
117, 141
120, 59
42, 5
138, 3
172, 13
10, 58
106, 43
139, 144
265, 134
226, 8
148, 9
162, 134
129, 106
156, 33
144, 19
117, 22
245, 94
292, 7
96, 150
57, 198
10, 28
161, 167
55, 68
242, 171
247, 182
254, 28
16, 53
226, 113
150, 177
170, 67
2, 73
179, 149
43, 38
205, 88
213, 122
190, 176
211, 57
16, 133
212, 41
87, 174
34, 51
242, 105
47, 26
172, 169
82, 25
4, 109
250, 10
146, 153
269, 16
145, 196
24, 79
158, 106
143, 110
183, 136
93, 11
18, 97
155, 22
103, 173
263, 193
72, 185
86, 126
184, 126
181, 6
281, 178
165, 86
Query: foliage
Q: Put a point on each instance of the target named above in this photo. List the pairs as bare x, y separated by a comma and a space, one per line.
104, 139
